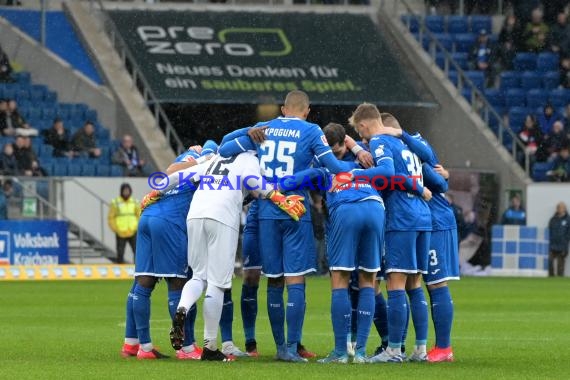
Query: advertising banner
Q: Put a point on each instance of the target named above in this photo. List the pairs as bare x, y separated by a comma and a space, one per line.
33, 242
257, 57
67, 272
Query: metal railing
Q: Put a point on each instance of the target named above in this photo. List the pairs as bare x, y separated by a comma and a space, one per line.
139, 81
102, 204
268, 2
479, 103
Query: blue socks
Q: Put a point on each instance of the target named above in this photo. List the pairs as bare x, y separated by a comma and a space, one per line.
249, 311
442, 316
130, 325
173, 300
295, 314
397, 310
381, 317
341, 317
276, 313
227, 317
365, 315
354, 294
405, 332
418, 306
141, 309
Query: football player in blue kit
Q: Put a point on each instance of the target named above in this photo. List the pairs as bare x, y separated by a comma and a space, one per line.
161, 253
287, 248
443, 254
408, 226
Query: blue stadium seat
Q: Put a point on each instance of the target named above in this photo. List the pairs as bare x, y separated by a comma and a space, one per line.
551, 80
35, 113
59, 170
479, 23
509, 79
466, 92
116, 171
515, 97
452, 75
10, 92
525, 62
507, 140
48, 167
48, 113
461, 59
559, 97
435, 23
22, 94
539, 170
74, 169
50, 97
517, 116
495, 97
103, 135
22, 77
103, 170
477, 77
547, 62
46, 150
412, 21
25, 103
536, 97
46, 160
91, 115
36, 95
530, 80
445, 40
424, 42
88, 170
464, 42
457, 24
42, 188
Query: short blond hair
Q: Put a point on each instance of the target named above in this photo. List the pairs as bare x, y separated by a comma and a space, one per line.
390, 120
364, 111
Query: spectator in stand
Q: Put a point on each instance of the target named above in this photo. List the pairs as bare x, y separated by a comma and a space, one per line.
531, 136
506, 55
565, 71
515, 214
84, 143
536, 32
560, 34
567, 118
559, 235
523, 9
556, 139
561, 168
9, 164
12, 123
127, 155
511, 32
547, 119
5, 68
58, 137
35, 170
482, 56
552, 9
24, 156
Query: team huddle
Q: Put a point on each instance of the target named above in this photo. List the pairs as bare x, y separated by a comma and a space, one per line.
387, 219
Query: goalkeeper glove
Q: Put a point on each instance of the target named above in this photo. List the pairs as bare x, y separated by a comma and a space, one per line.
292, 205
149, 199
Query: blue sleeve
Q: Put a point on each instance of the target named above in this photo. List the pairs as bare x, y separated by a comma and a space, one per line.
293, 182
423, 151
236, 146
335, 166
234, 135
384, 167
412, 185
433, 181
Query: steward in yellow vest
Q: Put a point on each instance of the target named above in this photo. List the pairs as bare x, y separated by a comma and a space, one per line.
123, 219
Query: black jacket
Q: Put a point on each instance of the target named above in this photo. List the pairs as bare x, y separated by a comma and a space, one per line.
559, 230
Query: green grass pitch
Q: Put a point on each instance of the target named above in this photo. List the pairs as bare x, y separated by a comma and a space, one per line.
504, 328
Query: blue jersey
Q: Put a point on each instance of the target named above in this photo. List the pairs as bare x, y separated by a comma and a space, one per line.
441, 212
405, 209
290, 147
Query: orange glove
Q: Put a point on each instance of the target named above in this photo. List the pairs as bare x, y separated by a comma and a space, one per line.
292, 205
149, 199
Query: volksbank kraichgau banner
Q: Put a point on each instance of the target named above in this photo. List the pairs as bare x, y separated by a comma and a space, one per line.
33, 243
231, 57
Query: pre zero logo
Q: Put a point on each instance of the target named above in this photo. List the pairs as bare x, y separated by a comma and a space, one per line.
197, 40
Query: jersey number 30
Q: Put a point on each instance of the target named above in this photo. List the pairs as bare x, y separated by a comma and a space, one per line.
414, 165
278, 155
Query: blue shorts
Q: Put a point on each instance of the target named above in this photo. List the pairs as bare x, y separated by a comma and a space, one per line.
355, 236
287, 247
162, 248
443, 262
407, 251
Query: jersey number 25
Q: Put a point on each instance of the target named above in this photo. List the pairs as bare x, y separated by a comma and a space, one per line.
278, 155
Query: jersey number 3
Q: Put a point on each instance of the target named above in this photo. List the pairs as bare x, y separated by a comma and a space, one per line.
278, 155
